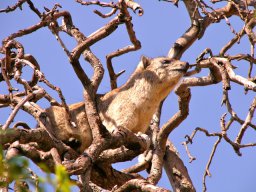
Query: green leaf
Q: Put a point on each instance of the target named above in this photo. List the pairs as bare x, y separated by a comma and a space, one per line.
17, 168
63, 182
1, 161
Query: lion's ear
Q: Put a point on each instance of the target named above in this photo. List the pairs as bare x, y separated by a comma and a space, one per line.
144, 62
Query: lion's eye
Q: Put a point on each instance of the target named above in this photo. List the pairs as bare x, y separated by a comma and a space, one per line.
166, 61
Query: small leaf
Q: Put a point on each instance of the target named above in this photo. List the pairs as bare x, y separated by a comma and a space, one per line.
62, 179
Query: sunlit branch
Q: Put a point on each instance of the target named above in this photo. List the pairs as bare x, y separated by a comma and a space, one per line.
207, 171
136, 45
14, 7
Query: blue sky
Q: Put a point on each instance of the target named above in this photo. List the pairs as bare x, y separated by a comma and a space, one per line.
157, 29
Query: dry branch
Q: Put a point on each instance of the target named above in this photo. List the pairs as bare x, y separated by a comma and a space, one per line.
94, 165
126, 18
12, 8
176, 170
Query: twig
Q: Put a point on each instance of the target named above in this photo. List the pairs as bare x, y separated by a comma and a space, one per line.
95, 37
232, 42
33, 8
17, 76
246, 122
6, 67
207, 172
42, 78
14, 7
141, 165
230, 26
55, 30
136, 45
15, 110
232, 112
102, 4
69, 28
251, 62
245, 57
239, 79
112, 12
204, 8
189, 140
22, 124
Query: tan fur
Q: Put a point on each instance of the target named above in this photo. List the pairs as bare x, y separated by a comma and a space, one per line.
131, 106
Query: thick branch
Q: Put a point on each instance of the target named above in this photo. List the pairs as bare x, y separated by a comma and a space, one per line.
176, 170
142, 185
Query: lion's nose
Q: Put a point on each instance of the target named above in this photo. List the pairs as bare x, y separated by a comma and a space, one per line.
187, 65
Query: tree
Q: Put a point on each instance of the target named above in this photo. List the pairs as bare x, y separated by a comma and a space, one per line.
30, 49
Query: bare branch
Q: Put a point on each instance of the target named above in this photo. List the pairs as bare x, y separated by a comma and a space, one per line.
207, 172
246, 122
112, 12
176, 170
185, 143
134, 6
232, 42
15, 111
143, 164
140, 184
96, 36
103, 4
136, 44
94, 162
14, 7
